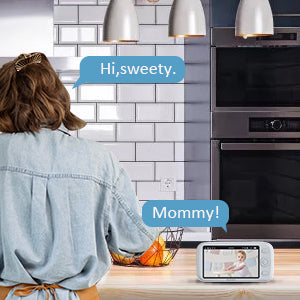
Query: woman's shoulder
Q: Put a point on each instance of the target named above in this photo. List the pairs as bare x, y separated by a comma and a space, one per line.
58, 152
104, 160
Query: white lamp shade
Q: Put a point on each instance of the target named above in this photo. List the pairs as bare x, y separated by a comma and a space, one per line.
121, 22
187, 19
254, 18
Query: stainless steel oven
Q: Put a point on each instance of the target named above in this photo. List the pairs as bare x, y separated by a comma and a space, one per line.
256, 170
255, 74
255, 133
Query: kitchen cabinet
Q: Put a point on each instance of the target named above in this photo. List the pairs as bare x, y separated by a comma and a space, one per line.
286, 13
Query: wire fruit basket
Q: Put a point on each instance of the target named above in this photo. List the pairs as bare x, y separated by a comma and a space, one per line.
161, 253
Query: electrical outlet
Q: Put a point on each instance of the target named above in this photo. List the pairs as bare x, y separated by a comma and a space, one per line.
168, 185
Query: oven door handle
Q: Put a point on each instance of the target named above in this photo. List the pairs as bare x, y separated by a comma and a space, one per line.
260, 146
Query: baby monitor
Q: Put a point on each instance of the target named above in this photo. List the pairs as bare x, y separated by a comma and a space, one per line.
235, 262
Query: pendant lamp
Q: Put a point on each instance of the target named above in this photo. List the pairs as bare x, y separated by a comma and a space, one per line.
187, 19
254, 18
121, 22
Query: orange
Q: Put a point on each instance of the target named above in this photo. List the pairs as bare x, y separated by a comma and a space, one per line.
167, 258
162, 242
153, 256
121, 259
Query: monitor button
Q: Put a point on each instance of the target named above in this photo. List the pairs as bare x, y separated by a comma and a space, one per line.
265, 273
264, 262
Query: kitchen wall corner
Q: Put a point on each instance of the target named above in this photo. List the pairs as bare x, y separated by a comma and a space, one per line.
197, 118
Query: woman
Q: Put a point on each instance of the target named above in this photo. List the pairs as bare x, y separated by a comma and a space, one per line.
64, 201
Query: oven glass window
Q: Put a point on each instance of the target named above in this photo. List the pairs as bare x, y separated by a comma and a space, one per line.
261, 187
260, 77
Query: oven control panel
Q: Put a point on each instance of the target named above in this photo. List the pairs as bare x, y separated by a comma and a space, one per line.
274, 124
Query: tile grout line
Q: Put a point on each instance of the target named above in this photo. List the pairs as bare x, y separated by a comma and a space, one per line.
174, 111
58, 35
97, 114
174, 151
77, 46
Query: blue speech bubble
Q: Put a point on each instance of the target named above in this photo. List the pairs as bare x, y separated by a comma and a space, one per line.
131, 69
186, 213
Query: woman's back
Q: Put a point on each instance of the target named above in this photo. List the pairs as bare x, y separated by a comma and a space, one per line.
63, 202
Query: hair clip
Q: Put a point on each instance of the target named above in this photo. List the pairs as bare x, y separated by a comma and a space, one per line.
28, 59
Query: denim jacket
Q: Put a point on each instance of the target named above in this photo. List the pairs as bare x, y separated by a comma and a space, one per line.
64, 203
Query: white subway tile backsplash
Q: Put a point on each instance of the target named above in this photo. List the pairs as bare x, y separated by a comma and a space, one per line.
123, 151
170, 50
198, 93
155, 112
69, 77
197, 112
158, 34
169, 132
170, 92
192, 56
92, 14
100, 34
154, 152
179, 112
77, 2
146, 14
201, 170
83, 34
169, 170
197, 73
198, 132
65, 50
197, 151
103, 50
143, 147
151, 191
136, 92
139, 170
72, 92
86, 112
65, 15
135, 132
116, 112
92, 92
136, 50
98, 132
179, 151
162, 14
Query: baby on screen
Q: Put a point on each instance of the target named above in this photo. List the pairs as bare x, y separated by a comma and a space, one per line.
240, 265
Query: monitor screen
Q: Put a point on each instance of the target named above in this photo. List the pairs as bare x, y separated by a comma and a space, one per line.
231, 262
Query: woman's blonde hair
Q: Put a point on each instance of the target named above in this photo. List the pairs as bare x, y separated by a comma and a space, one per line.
31, 95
